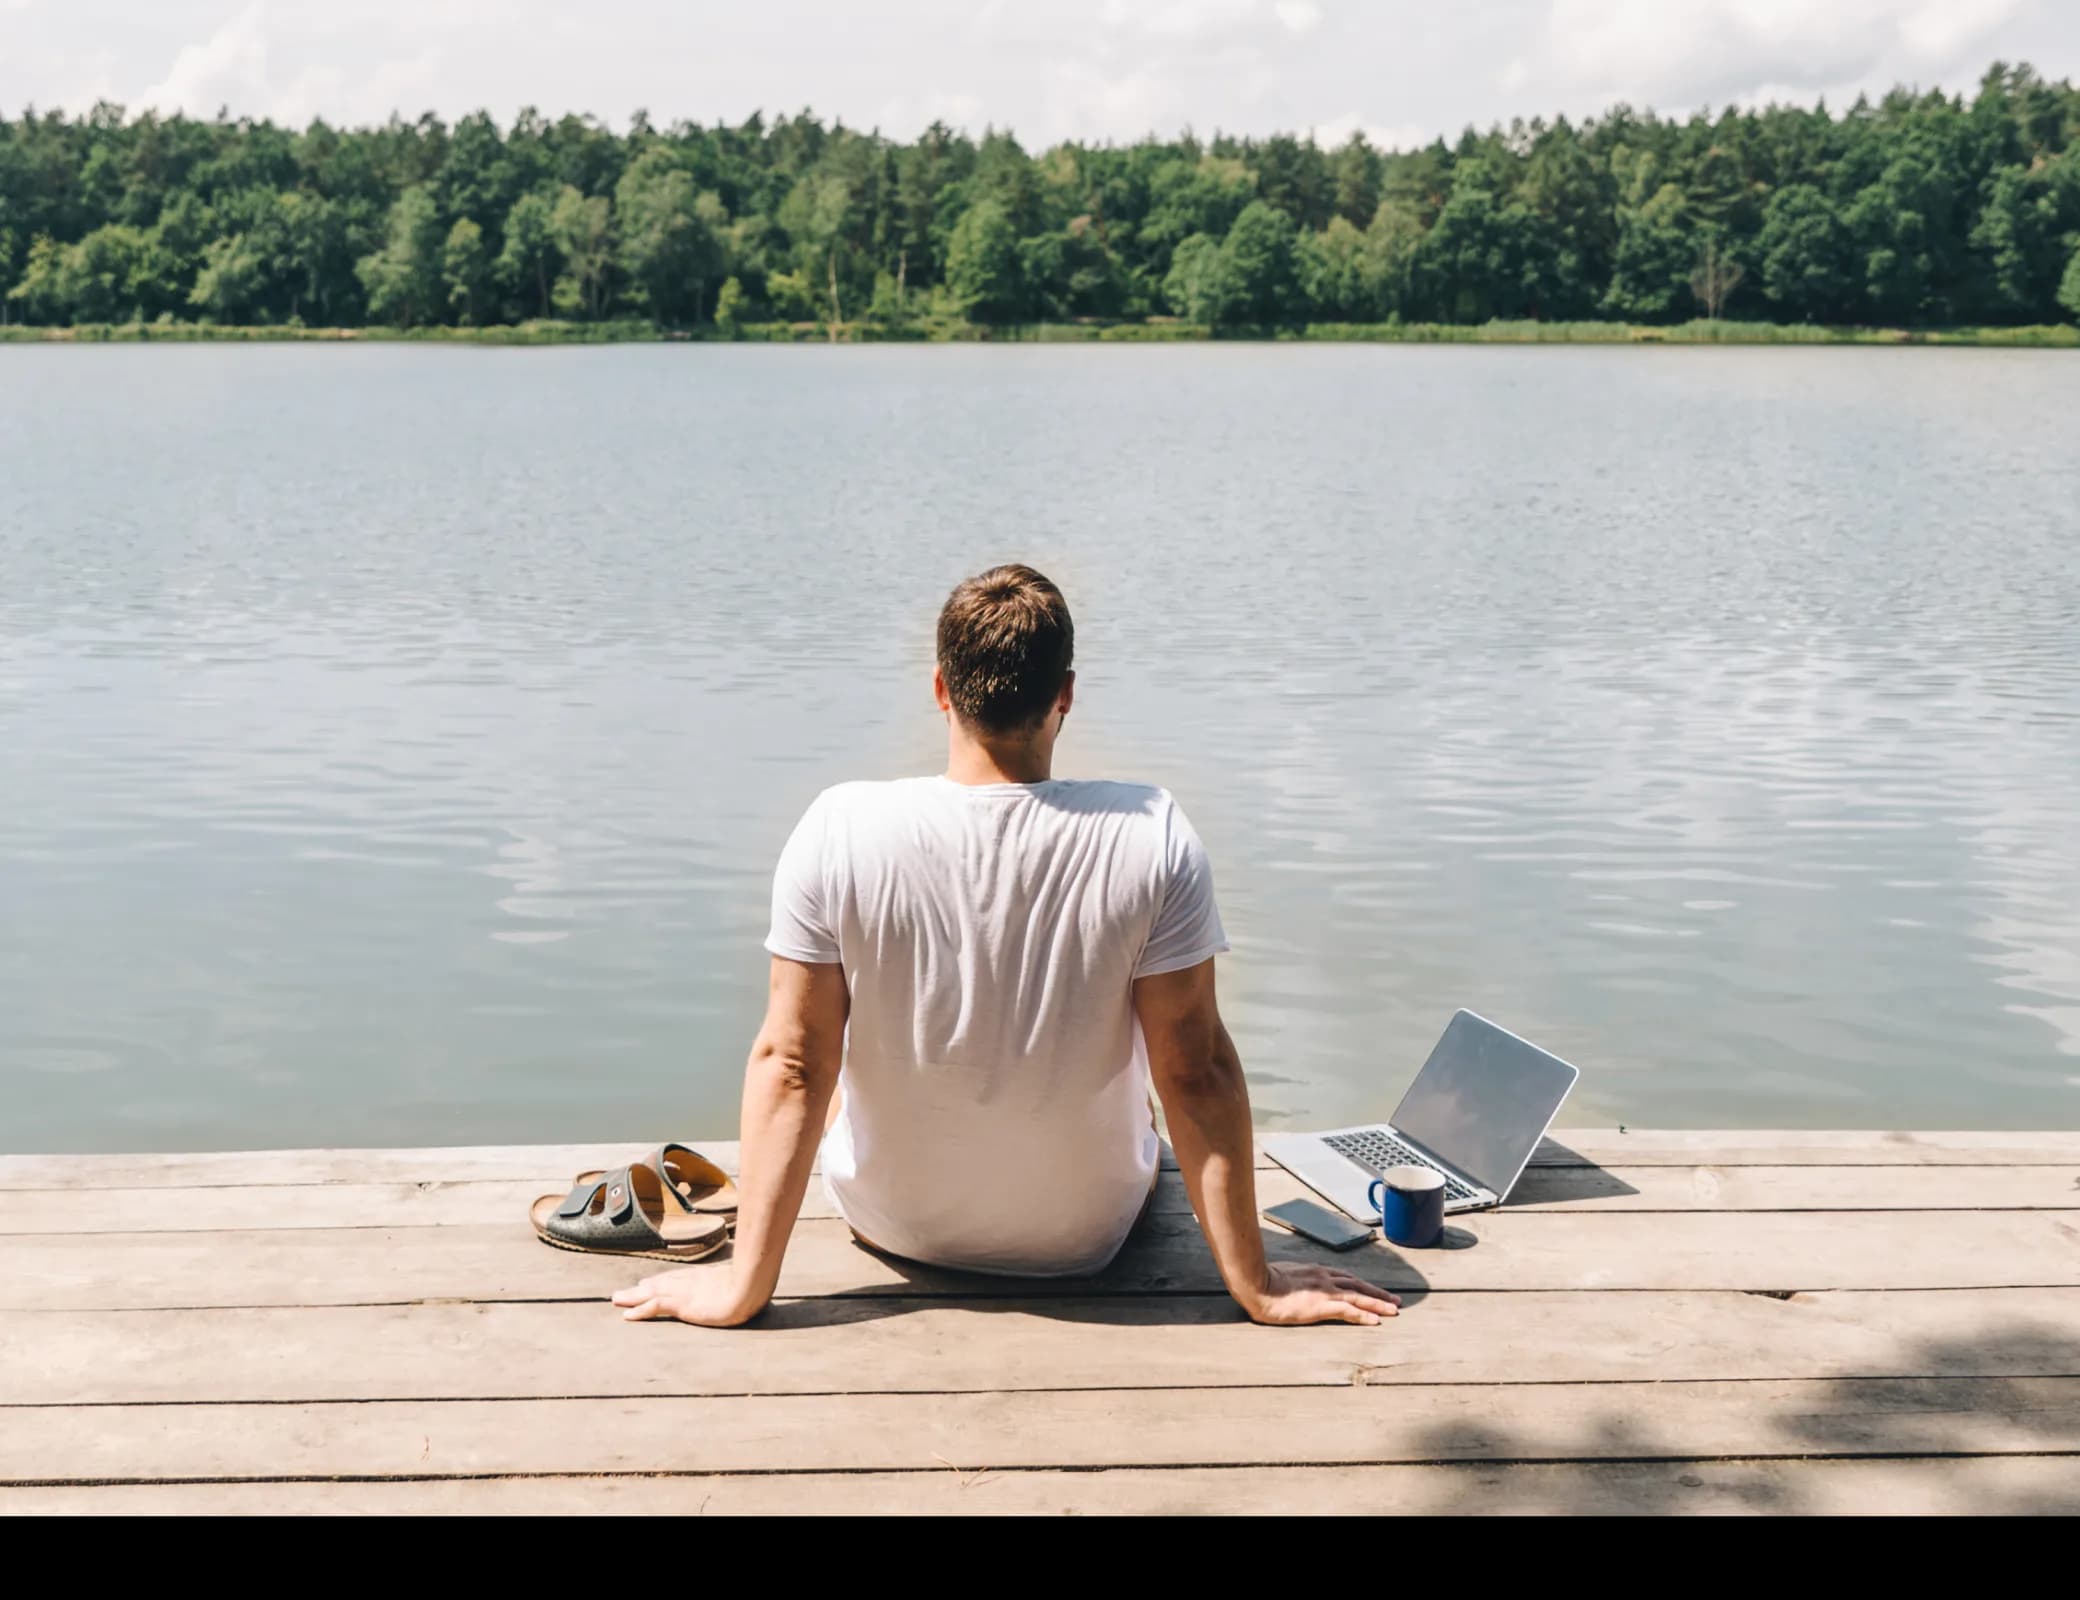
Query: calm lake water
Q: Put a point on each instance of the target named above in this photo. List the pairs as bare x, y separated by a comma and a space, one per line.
394, 743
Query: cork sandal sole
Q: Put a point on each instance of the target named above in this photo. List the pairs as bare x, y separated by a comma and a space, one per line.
680, 1256
657, 1238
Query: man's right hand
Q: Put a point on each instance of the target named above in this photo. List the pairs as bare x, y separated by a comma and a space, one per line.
1295, 1294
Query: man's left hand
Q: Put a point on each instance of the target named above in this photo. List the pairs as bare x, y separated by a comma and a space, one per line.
706, 1296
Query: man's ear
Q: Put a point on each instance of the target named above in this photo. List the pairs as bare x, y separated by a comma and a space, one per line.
939, 693
1068, 694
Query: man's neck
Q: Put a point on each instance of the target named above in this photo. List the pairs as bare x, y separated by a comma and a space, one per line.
971, 761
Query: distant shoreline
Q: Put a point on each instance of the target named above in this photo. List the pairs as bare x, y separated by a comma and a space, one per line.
1157, 331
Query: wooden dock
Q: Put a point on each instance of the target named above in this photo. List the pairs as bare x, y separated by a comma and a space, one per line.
1666, 1322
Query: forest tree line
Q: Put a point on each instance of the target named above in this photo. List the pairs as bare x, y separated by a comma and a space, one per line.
1915, 210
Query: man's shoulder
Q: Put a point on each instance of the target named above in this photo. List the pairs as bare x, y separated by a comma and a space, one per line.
1112, 794
868, 794
864, 798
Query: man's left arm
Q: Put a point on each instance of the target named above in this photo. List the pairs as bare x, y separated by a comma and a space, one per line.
788, 1084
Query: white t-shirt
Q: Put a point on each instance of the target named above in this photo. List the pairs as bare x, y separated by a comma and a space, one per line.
996, 1110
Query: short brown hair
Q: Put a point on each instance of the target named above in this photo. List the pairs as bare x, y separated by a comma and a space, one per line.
1005, 648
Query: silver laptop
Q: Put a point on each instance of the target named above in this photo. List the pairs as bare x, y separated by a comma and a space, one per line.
1475, 1112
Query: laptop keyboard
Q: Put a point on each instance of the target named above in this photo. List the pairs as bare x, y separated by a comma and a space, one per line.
1375, 1149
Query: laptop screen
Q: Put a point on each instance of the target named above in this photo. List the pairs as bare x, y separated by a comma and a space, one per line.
1482, 1100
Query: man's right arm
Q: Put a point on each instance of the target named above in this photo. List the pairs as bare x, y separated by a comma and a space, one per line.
1198, 1077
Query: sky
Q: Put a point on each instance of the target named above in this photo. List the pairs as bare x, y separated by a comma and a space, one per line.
1402, 70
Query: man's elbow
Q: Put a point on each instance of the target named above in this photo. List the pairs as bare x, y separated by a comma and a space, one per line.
789, 1067
1211, 1075
1199, 1064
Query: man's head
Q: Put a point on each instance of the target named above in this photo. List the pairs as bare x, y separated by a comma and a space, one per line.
1006, 647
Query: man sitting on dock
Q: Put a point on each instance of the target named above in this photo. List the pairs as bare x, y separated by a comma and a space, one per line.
976, 980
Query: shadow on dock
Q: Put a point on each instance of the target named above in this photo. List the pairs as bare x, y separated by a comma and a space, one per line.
1564, 1174
1972, 1411
1160, 1277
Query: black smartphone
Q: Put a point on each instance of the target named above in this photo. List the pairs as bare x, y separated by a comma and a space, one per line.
1318, 1223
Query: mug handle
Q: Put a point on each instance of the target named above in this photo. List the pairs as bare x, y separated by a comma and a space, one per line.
1376, 1197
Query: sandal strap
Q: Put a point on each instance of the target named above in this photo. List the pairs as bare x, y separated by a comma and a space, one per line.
617, 1222
579, 1200
689, 1161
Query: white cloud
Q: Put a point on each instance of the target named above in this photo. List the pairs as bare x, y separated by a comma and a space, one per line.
234, 69
227, 69
1686, 51
1938, 30
1082, 101
1205, 19
1405, 70
909, 112
1178, 19
1381, 136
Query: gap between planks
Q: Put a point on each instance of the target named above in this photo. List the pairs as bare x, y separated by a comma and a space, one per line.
2013, 1485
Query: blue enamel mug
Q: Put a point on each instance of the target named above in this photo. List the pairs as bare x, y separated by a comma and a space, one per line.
1410, 1203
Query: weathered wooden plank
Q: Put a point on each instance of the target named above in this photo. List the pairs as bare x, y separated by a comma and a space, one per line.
1367, 1425
907, 1346
1770, 1147
215, 1209
550, 1165
1987, 1486
1567, 1147
438, 1164
1765, 1251
492, 1202
1794, 1188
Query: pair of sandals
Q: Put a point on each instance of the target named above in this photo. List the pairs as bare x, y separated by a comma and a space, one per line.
672, 1205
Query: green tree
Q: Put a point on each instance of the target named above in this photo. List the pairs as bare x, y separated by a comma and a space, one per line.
1903, 223
232, 282
729, 307
1293, 177
528, 263
1718, 273
1199, 286
477, 176
1655, 255
466, 269
1090, 278
982, 275
583, 227
818, 215
792, 297
1355, 173
1391, 242
315, 252
671, 237
1261, 269
2069, 286
1574, 198
1485, 257
1335, 276
1808, 256
403, 279
106, 273
1190, 194
41, 292
2017, 241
